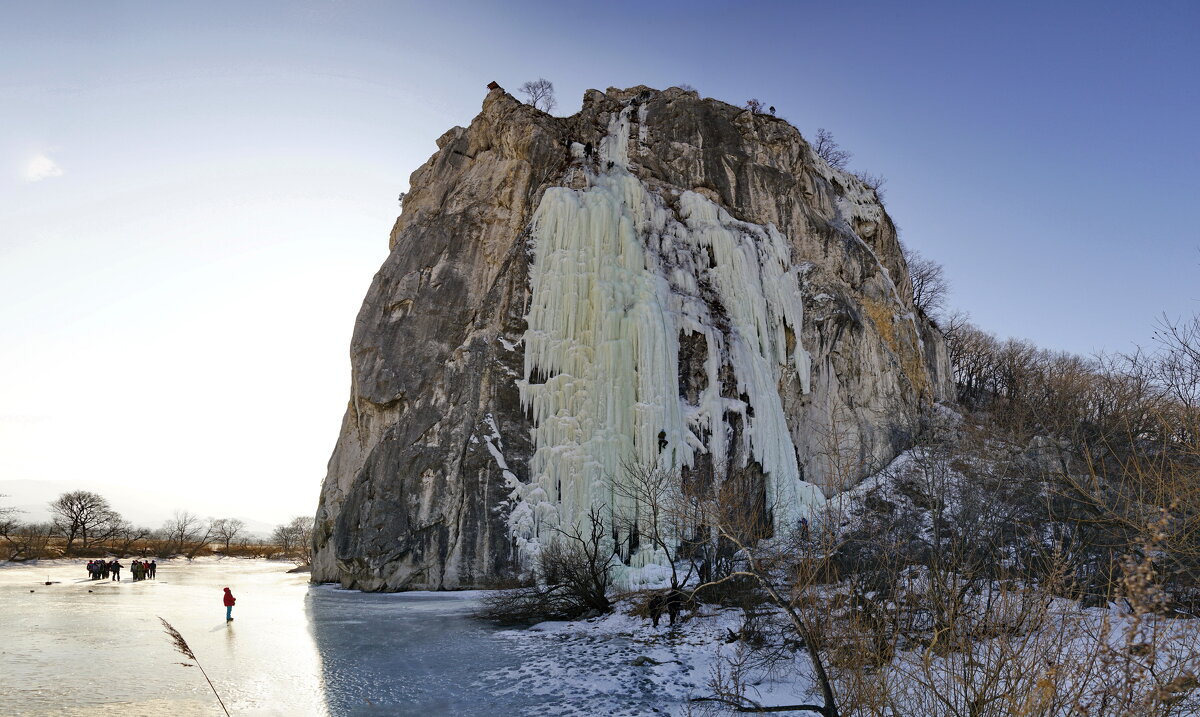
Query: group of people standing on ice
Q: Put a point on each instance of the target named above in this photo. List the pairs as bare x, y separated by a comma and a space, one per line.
102, 569
143, 569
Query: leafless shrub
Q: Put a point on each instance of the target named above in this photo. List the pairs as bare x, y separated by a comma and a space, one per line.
25, 541
783, 568
573, 579
874, 182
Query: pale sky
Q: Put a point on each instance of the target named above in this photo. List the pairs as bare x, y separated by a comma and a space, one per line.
194, 197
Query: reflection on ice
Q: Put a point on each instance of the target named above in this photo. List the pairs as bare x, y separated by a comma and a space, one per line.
84, 647
411, 653
81, 648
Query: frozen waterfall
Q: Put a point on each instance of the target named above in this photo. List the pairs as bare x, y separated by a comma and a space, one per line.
616, 277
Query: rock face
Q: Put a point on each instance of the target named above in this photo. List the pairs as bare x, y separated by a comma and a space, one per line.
658, 280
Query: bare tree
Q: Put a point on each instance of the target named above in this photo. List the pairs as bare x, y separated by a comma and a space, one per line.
652, 512
829, 150
12, 531
1175, 364
227, 530
754, 105
126, 535
26, 540
783, 569
929, 282
540, 94
83, 515
8, 518
188, 530
294, 539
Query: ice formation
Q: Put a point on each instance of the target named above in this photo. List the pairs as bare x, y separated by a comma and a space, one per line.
616, 278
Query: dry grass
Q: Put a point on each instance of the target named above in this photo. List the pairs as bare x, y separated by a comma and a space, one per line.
181, 646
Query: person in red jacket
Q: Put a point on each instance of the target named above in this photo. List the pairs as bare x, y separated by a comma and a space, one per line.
229, 601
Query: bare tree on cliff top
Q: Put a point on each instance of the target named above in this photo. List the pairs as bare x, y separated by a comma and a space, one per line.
540, 94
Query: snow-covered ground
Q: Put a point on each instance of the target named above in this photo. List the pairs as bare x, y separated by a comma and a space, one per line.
619, 664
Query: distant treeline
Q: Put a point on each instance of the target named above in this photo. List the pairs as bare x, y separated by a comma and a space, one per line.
84, 524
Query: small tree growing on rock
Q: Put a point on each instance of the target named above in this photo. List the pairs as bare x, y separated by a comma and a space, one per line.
874, 182
829, 150
540, 94
929, 282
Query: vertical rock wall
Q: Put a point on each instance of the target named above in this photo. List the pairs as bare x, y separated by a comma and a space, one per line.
656, 279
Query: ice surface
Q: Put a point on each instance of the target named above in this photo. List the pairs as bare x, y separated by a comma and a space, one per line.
68, 651
300, 650
297, 650
292, 650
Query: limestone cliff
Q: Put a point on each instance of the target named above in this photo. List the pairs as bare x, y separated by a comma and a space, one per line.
657, 279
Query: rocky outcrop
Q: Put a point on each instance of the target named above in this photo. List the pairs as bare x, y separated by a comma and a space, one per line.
658, 278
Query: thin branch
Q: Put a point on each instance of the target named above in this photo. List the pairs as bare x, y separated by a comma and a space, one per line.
739, 707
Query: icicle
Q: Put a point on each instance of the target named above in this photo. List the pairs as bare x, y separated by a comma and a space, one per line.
615, 279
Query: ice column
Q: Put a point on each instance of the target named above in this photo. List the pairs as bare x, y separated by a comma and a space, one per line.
614, 280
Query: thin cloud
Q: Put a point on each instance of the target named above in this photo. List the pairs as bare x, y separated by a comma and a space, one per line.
41, 167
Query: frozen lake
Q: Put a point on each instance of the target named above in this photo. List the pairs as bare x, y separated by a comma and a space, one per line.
82, 647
